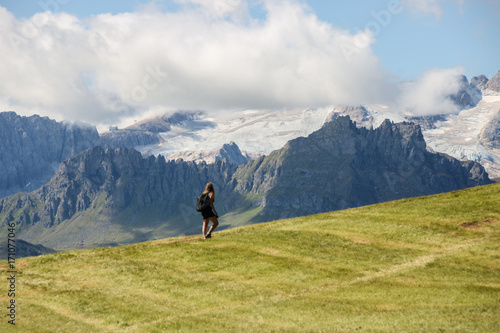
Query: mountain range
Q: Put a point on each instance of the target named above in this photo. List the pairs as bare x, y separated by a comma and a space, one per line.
470, 133
87, 189
104, 197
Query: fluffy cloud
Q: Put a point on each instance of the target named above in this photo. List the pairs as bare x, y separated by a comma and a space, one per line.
209, 55
430, 94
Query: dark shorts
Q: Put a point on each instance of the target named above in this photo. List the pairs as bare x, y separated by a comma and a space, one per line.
207, 213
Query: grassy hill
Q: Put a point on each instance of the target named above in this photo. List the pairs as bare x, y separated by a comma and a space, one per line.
428, 264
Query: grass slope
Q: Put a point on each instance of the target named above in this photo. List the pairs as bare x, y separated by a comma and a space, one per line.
427, 264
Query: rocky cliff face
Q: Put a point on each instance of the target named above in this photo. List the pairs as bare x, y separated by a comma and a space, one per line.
342, 166
479, 81
126, 138
494, 83
490, 135
468, 96
32, 148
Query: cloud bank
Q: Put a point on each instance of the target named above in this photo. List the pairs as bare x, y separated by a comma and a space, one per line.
209, 55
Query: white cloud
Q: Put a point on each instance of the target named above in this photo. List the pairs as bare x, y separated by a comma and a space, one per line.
105, 68
432, 7
426, 7
430, 95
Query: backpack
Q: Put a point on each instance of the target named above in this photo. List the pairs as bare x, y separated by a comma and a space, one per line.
203, 202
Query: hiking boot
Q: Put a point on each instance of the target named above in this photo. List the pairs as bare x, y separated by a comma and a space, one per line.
208, 236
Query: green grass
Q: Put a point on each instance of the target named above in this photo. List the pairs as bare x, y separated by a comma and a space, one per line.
417, 265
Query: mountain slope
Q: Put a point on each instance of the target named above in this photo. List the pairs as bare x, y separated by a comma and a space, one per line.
31, 149
416, 265
494, 83
23, 249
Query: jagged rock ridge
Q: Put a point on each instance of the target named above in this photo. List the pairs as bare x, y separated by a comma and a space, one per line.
342, 166
98, 193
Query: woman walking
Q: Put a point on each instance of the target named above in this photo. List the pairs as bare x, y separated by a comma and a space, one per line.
209, 213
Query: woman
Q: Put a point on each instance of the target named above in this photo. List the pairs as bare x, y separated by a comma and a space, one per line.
209, 213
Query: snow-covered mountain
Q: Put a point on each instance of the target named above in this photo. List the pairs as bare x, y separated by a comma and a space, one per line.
255, 132
470, 134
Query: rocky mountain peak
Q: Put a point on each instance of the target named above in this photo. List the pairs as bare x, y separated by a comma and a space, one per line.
494, 83
479, 81
468, 96
341, 166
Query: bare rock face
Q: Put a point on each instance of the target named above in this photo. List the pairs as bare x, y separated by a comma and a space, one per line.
494, 83
126, 138
468, 96
32, 148
479, 81
490, 135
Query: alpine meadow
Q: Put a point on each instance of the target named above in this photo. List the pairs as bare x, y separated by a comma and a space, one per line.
426, 264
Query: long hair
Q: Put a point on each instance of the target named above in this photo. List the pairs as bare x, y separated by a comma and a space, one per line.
209, 188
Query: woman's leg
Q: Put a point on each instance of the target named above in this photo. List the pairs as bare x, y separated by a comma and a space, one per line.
205, 225
215, 223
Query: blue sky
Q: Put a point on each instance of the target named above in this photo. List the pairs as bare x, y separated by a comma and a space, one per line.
105, 61
466, 33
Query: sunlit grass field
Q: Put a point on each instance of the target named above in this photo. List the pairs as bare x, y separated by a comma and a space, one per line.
427, 264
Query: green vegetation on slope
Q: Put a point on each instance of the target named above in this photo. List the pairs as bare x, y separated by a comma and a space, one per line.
427, 264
